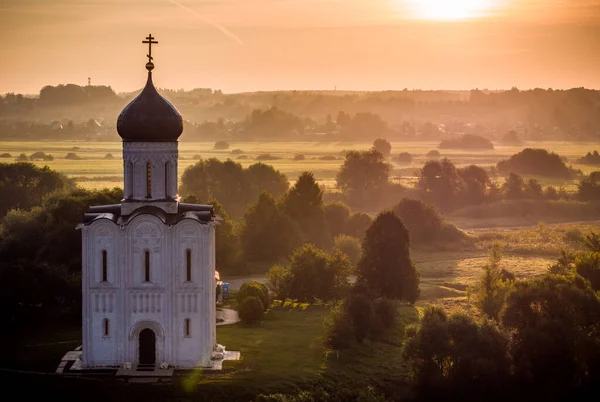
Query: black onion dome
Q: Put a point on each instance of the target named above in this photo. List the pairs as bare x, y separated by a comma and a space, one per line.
150, 118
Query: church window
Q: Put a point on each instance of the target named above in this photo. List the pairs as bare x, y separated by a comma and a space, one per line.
167, 180
187, 329
147, 266
105, 327
104, 266
131, 180
148, 180
188, 265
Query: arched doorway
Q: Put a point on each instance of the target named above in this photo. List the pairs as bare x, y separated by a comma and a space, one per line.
147, 344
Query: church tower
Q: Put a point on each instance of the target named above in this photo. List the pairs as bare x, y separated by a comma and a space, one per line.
148, 263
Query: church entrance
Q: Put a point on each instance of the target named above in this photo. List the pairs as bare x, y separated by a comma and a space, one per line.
147, 347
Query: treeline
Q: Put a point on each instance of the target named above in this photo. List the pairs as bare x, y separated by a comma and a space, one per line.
400, 115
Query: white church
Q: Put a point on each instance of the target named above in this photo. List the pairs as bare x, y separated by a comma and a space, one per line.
149, 262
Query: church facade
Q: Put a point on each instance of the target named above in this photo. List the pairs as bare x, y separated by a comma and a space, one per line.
148, 263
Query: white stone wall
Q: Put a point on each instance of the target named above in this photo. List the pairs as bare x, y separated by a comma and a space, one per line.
132, 304
162, 157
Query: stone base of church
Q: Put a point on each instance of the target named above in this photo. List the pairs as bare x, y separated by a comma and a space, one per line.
71, 364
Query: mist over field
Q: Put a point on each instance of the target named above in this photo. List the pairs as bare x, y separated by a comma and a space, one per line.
400, 200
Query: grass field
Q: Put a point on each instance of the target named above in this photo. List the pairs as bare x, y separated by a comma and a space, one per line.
93, 171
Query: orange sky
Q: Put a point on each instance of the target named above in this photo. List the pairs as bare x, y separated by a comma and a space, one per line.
247, 45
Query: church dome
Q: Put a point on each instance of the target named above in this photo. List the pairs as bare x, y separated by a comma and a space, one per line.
150, 117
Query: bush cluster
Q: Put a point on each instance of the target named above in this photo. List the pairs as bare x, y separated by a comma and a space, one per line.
252, 301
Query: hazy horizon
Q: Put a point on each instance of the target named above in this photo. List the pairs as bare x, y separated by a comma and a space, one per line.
252, 45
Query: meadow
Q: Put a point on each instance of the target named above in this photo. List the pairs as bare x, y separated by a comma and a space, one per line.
322, 158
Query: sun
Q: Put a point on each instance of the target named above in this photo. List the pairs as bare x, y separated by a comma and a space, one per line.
449, 9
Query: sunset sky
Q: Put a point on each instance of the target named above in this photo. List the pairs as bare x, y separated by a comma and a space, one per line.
248, 45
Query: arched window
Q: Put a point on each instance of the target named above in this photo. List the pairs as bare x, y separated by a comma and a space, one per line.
148, 180
131, 180
104, 266
147, 266
167, 195
105, 327
187, 327
188, 265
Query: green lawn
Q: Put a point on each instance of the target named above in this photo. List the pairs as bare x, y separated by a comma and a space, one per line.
281, 354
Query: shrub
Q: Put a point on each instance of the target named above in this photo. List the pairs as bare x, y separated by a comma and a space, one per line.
299, 157
250, 309
267, 157
37, 155
404, 158
72, 156
467, 141
5, 155
350, 246
382, 146
197, 157
48, 158
278, 281
434, 154
254, 289
22, 158
360, 309
539, 162
221, 145
590, 159
424, 222
109, 156
338, 329
237, 151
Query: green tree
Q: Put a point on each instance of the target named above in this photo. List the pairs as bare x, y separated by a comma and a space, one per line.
254, 289
350, 246
454, 355
23, 185
441, 183
314, 274
514, 187
278, 281
250, 309
304, 204
385, 265
267, 234
363, 176
555, 333
336, 216
226, 242
357, 225
489, 292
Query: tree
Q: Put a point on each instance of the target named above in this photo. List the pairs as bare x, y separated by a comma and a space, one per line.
555, 334
304, 204
441, 183
314, 274
357, 225
278, 281
350, 246
537, 162
454, 355
226, 244
467, 141
382, 146
336, 216
267, 234
514, 186
424, 223
232, 185
23, 185
363, 176
385, 265
266, 178
489, 292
